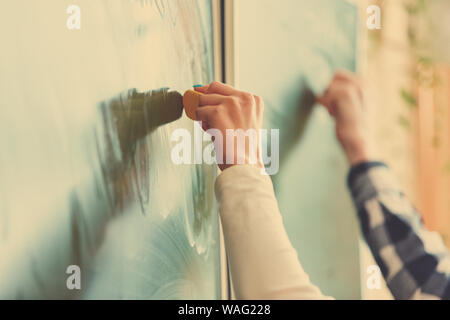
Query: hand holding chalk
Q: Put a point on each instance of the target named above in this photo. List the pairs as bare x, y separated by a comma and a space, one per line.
225, 109
344, 100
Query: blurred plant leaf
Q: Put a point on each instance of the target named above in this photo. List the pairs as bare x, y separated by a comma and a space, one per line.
408, 98
446, 167
404, 122
412, 37
415, 7
436, 142
425, 61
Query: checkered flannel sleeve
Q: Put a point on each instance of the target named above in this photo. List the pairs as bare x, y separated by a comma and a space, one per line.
413, 260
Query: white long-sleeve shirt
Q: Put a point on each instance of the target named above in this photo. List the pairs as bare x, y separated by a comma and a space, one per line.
263, 263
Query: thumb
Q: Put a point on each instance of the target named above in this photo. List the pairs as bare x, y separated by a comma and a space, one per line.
327, 103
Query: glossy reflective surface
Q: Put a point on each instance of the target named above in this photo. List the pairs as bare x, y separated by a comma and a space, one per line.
86, 176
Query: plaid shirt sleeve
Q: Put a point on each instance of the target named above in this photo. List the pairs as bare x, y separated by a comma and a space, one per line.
413, 260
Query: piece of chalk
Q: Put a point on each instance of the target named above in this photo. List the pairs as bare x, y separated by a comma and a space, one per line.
191, 101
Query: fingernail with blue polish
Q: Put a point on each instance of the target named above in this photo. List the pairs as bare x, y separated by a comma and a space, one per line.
197, 86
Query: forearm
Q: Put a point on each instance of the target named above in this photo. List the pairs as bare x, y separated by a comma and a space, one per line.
264, 265
414, 261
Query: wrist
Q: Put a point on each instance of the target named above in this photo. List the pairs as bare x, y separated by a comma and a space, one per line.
258, 164
356, 151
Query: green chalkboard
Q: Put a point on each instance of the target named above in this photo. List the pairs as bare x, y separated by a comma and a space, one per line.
86, 178
288, 50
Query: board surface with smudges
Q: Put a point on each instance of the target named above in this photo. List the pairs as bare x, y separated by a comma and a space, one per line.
289, 48
73, 190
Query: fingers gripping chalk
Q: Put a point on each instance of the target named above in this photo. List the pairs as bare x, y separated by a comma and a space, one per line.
191, 101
